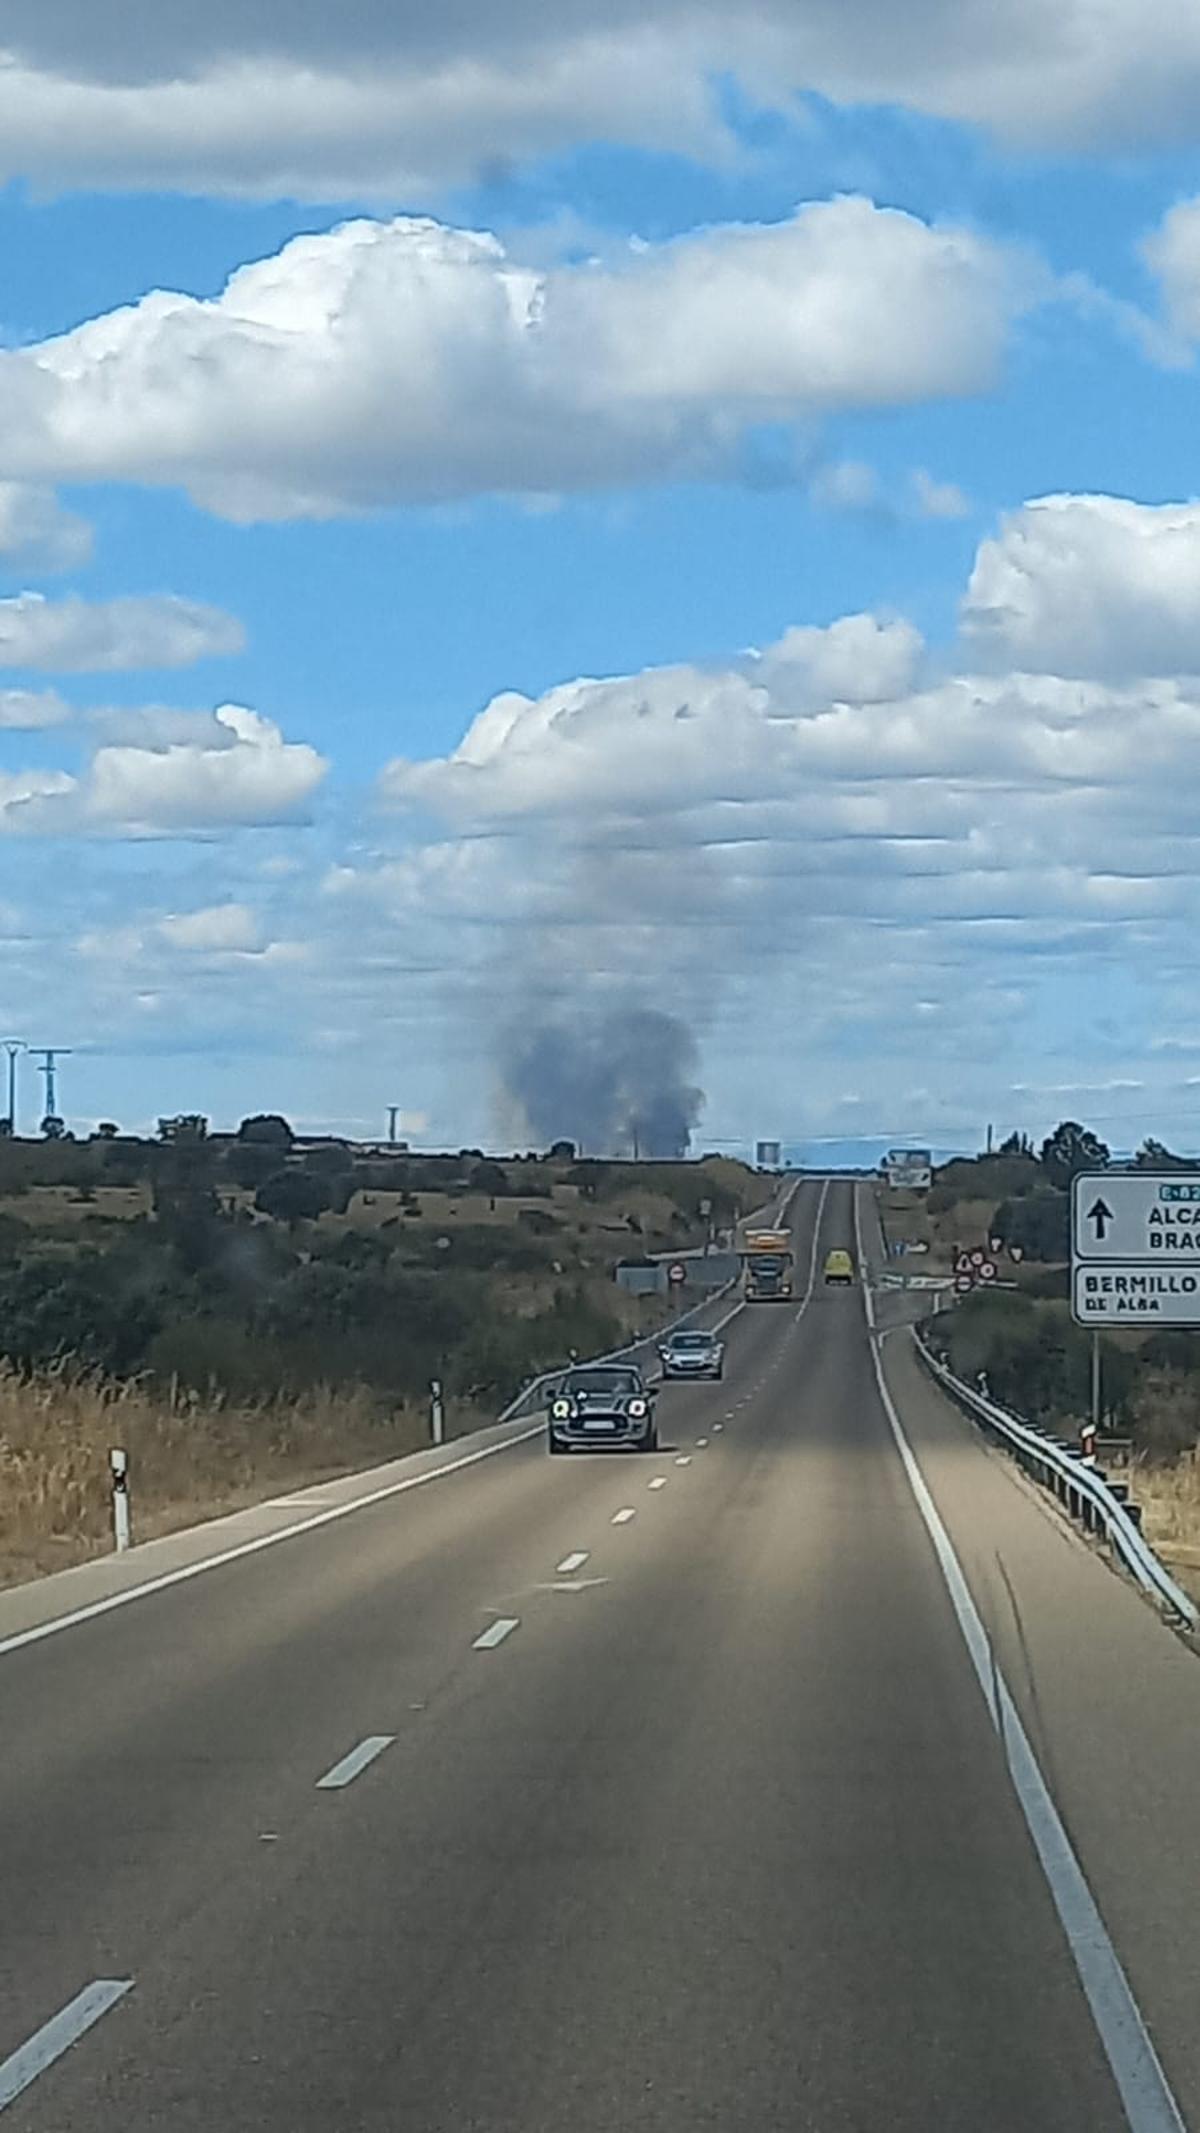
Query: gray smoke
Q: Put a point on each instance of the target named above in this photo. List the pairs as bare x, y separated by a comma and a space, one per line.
610, 1078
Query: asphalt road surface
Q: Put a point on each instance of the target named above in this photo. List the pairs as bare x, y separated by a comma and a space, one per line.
600, 1793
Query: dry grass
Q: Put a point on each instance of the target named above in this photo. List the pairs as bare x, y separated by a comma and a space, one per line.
59, 1207
188, 1461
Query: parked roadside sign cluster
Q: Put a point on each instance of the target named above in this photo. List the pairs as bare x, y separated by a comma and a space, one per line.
1135, 1249
973, 1270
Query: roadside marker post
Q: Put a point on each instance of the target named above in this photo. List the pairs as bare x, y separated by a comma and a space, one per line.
118, 1461
437, 1413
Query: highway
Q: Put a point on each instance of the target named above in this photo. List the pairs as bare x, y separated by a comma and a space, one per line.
612, 1792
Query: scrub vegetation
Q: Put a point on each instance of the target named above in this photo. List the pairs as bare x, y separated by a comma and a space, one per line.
248, 1311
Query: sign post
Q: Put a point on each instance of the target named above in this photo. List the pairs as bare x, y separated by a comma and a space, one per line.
118, 1466
1135, 1253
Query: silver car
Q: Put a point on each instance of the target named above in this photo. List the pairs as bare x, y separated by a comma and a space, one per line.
694, 1354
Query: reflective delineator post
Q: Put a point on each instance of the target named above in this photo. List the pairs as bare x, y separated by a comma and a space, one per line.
437, 1413
118, 1462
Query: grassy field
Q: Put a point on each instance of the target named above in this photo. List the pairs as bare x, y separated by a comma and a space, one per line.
187, 1460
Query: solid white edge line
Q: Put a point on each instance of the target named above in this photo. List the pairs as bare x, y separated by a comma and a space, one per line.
571, 1563
58, 2035
353, 1765
496, 1634
96, 1608
1144, 2090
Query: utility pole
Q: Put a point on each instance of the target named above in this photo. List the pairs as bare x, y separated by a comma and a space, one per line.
50, 1054
14, 1047
393, 1115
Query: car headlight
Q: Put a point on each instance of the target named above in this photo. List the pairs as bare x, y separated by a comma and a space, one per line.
637, 1408
561, 1410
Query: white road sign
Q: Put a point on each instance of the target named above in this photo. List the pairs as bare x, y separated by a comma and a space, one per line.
1136, 1217
1135, 1249
1136, 1294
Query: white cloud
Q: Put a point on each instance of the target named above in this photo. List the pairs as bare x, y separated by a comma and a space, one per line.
846, 485
31, 710
386, 362
938, 499
242, 775
38, 531
254, 97
1090, 585
222, 929
79, 636
1173, 253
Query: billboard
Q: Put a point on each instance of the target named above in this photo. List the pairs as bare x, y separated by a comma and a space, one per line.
768, 1155
908, 1169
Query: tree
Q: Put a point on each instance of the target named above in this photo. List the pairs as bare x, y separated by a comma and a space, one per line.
332, 1159
1153, 1156
562, 1152
293, 1196
1039, 1224
250, 1163
266, 1129
1016, 1144
189, 1127
107, 1130
1070, 1149
490, 1177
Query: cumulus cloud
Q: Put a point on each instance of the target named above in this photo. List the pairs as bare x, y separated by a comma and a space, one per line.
401, 361
38, 531
76, 636
241, 774
255, 97
31, 710
1092, 585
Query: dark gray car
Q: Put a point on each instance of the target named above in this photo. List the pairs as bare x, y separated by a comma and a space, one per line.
602, 1404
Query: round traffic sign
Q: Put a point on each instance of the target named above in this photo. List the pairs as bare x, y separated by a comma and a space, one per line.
963, 1283
977, 1258
677, 1273
987, 1271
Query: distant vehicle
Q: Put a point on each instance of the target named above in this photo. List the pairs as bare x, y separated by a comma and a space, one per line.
767, 1259
839, 1267
692, 1355
602, 1404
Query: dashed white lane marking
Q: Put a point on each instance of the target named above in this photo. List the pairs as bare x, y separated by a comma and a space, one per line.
622, 1518
18, 1641
571, 1563
499, 1630
717, 1428
700, 1443
58, 2035
684, 1459
353, 1765
1150, 2106
659, 1482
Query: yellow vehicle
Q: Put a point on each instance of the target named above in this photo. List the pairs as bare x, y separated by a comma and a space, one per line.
839, 1267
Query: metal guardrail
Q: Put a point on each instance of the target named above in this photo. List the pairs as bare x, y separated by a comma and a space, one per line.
1098, 1503
529, 1398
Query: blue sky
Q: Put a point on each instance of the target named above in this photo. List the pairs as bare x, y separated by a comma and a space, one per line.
848, 317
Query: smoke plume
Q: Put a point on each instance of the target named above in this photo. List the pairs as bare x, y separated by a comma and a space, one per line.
614, 1079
